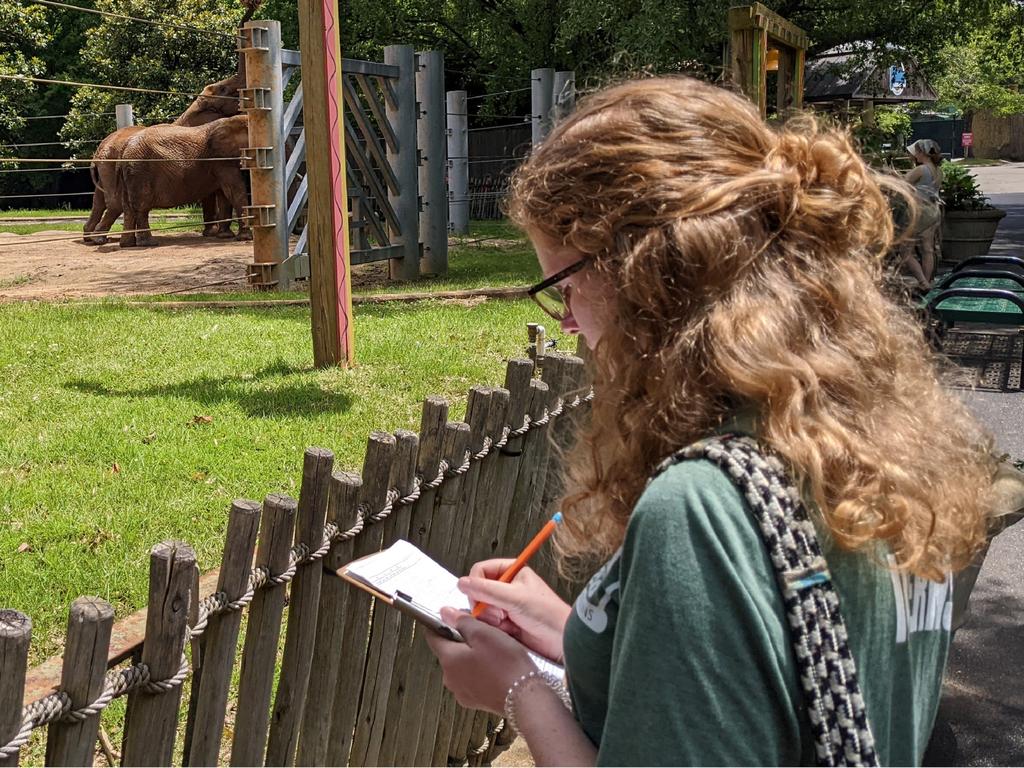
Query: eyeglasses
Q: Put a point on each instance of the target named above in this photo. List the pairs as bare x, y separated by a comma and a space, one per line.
551, 297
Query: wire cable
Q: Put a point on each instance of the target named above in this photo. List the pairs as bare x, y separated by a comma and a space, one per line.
115, 160
39, 170
55, 117
51, 143
26, 79
84, 235
497, 93
47, 194
68, 6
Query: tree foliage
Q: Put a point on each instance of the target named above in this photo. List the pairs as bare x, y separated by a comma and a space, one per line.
124, 52
24, 35
984, 69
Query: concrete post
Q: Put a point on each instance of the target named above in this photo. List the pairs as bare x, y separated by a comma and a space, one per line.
430, 132
458, 163
263, 100
124, 115
405, 162
542, 83
564, 94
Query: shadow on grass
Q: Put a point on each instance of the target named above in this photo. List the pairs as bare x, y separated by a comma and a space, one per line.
255, 399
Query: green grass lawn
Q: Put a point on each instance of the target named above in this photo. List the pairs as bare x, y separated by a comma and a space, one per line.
158, 218
121, 426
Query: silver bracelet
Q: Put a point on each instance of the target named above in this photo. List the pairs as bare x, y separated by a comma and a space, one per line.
550, 680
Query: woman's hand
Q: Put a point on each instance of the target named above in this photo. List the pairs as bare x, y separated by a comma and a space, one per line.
526, 608
481, 670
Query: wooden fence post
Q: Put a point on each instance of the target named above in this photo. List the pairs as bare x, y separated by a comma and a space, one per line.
302, 611
220, 640
409, 680
401, 113
15, 634
444, 522
386, 625
380, 452
541, 85
430, 130
151, 719
330, 290
85, 666
259, 657
316, 722
458, 163
264, 157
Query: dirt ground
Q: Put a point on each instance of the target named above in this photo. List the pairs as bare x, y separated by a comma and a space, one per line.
33, 269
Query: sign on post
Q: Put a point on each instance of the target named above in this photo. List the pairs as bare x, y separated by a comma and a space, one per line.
967, 139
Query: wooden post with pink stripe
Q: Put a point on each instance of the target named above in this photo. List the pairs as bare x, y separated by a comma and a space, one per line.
329, 259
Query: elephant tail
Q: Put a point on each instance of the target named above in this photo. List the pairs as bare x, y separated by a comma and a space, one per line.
94, 172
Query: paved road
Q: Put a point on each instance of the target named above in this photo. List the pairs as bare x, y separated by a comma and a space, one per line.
981, 718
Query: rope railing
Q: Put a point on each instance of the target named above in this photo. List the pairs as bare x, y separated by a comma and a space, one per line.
47, 81
56, 707
151, 22
85, 235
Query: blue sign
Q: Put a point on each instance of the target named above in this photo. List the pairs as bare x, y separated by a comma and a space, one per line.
897, 79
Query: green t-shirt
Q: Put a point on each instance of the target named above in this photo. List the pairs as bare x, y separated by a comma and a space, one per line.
678, 650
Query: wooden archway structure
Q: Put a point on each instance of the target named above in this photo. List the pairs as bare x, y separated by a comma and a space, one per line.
761, 41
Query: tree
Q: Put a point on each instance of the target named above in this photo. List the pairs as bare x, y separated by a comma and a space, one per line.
985, 69
23, 36
125, 52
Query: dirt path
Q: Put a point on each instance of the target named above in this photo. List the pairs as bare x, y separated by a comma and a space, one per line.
70, 269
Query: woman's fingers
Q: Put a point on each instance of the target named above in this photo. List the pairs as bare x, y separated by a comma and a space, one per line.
494, 593
491, 569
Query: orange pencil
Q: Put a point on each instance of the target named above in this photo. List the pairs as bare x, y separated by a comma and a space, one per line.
524, 557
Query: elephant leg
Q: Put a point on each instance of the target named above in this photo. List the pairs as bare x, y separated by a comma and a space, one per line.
99, 204
211, 213
128, 237
145, 236
239, 198
109, 217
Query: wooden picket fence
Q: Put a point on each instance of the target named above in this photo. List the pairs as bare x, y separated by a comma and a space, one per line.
353, 685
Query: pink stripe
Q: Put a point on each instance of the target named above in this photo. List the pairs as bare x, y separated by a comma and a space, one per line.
332, 69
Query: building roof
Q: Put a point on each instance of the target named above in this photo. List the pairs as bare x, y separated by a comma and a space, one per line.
855, 72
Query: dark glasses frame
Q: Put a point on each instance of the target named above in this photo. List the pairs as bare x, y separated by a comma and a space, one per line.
552, 282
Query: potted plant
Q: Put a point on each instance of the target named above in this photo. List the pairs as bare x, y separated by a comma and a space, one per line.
969, 223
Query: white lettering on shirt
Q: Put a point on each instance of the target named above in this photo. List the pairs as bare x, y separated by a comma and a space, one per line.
592, 601
921, 605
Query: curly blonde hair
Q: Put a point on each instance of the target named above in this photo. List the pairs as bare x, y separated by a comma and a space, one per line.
747, 262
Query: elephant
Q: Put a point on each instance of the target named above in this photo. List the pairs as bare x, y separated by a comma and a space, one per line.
145, 185
218, 100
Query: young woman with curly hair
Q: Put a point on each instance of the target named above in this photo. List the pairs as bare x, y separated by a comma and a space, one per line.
726, 276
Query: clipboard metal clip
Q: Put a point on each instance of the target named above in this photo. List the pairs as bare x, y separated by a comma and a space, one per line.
410, 607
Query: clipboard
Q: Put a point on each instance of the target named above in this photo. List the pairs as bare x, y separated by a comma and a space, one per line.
403, 602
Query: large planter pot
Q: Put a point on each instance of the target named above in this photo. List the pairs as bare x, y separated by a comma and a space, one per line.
969, 233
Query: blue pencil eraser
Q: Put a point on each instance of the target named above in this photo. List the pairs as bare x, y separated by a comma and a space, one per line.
557, 517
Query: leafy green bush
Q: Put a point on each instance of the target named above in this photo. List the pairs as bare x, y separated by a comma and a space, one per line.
960, 190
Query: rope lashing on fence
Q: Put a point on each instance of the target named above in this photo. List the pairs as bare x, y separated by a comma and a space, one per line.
45, 81
57, 706
95, 233
152, 22
498, 728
